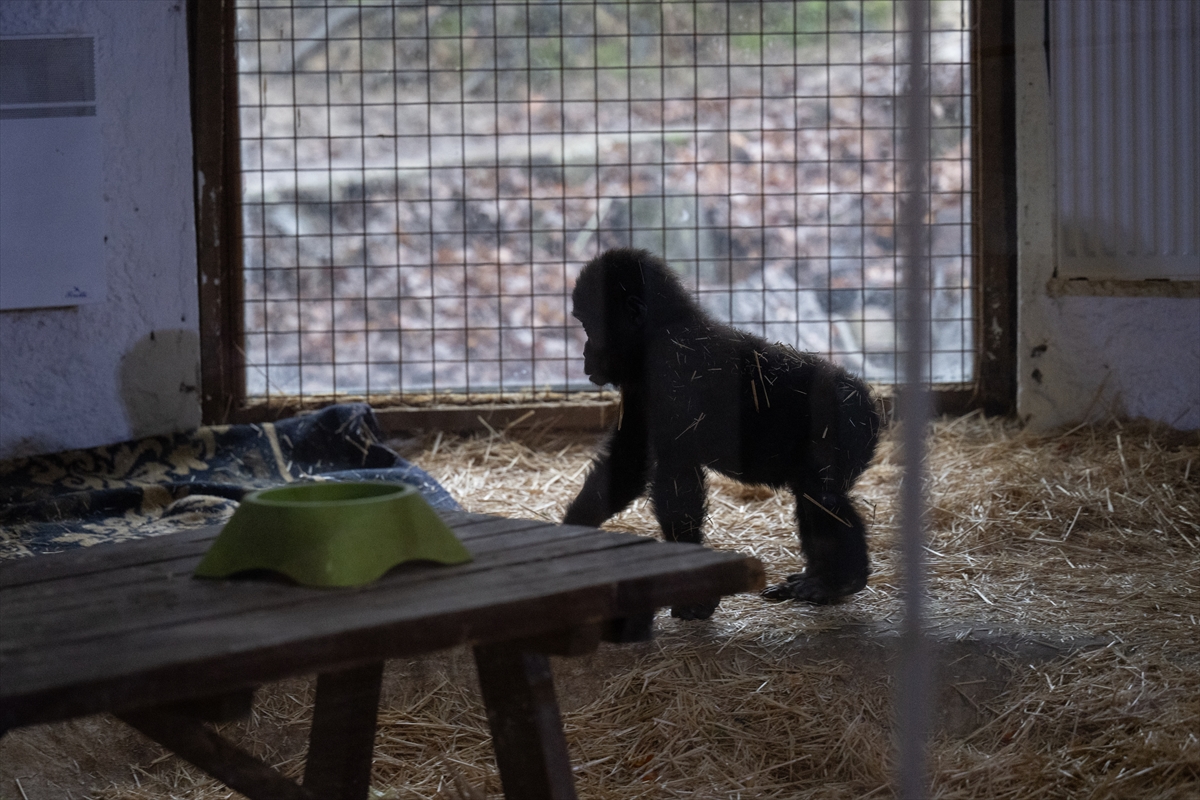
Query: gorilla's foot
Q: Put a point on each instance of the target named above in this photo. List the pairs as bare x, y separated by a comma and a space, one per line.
808, 588
695, 610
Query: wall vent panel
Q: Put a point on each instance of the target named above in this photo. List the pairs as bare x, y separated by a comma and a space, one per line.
1124, 79
51, 208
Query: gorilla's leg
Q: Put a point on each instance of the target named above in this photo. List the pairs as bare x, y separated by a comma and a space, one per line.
833, 540
679, 497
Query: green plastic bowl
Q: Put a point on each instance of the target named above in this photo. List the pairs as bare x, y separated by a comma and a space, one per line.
331, 534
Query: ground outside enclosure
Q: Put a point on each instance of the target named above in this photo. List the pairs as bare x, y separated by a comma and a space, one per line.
1065, 601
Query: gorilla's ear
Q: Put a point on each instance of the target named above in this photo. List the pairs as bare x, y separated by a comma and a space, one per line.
637, 308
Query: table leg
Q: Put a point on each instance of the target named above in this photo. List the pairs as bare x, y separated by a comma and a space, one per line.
229, 764
342, 738
527, 734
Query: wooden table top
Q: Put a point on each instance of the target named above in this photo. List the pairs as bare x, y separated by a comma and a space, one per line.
124, 626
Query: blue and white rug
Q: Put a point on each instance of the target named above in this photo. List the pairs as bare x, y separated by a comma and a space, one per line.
161, 484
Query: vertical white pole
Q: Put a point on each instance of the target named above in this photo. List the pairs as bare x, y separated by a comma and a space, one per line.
912, 702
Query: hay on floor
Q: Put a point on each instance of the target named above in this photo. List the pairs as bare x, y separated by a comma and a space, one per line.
1064, 594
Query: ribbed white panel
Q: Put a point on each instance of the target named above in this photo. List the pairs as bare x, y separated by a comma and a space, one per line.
51, 170
1124, 74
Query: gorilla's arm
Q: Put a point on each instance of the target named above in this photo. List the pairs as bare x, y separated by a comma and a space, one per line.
618, 476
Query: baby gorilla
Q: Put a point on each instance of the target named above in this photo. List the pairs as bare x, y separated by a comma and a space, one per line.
696, 393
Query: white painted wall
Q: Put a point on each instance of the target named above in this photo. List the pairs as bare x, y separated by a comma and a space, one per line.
127, 366
1083, 358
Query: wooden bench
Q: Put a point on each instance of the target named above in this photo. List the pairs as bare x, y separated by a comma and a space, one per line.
125, 628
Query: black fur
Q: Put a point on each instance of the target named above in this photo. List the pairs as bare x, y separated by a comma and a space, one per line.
696, 393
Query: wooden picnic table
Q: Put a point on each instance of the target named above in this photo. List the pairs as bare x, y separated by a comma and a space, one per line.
125, 628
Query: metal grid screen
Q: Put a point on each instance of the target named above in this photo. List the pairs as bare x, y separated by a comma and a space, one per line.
422, 182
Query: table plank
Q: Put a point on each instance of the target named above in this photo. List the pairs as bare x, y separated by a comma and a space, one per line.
103, 557
405, 607
161, 557
150, 550
553, 579
175, 597
169, 579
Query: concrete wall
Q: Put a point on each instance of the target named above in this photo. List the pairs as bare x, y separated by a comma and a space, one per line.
1086, 357
127, 366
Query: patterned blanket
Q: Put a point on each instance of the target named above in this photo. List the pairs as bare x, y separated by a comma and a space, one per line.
162, 484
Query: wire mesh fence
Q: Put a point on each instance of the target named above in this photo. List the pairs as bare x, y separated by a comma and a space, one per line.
423, 181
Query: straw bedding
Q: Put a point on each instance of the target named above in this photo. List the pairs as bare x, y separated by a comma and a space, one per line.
1064, 596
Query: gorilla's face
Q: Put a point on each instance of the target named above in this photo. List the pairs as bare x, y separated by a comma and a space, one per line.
608, 301
595, 350
615, 336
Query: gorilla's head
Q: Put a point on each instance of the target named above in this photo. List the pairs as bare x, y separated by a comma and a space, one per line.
620, 296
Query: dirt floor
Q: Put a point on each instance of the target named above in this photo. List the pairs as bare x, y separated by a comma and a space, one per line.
1064, 597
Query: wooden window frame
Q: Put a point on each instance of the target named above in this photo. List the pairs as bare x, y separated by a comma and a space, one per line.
216, 148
